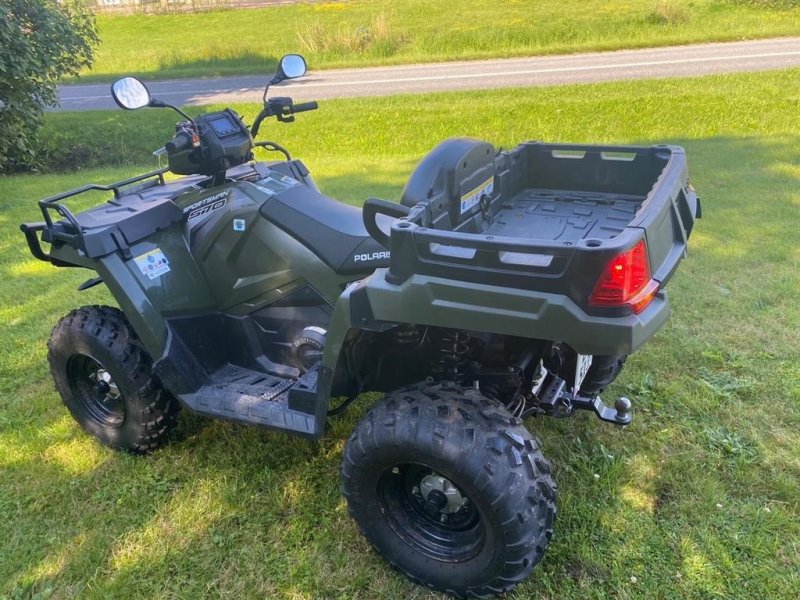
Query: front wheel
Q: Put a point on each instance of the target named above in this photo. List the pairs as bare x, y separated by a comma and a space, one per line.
450, 488
104, 377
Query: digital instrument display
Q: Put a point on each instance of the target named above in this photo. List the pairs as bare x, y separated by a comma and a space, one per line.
223, 125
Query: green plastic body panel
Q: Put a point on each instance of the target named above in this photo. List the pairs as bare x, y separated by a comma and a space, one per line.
216, 268
448, 303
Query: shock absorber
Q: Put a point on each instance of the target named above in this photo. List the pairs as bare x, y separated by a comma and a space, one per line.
453, 354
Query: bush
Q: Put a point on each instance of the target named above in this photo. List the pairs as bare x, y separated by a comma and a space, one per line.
41, 41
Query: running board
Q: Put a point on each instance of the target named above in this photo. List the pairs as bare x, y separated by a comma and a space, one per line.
245, 396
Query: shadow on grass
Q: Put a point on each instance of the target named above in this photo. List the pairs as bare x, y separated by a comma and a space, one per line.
659, 508
744, 252
245, 63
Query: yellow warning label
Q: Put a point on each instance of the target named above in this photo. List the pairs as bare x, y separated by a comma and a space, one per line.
474, 196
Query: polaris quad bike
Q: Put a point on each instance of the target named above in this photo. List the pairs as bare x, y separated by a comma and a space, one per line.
505, 284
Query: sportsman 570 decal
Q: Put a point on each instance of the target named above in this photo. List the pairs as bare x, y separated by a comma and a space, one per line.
205, 207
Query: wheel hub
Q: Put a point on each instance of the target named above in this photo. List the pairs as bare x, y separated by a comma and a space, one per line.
104, 385
96, 390
430, 513
441, 492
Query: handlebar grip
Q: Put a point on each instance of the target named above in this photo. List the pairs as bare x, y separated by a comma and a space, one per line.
304, 106
178, 143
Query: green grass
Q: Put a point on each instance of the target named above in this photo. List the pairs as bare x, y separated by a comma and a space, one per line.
697, 499
361, 33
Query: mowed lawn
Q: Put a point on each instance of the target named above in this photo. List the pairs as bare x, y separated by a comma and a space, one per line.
697, 499
360, 32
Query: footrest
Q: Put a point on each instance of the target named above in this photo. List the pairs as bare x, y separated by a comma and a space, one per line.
245, 396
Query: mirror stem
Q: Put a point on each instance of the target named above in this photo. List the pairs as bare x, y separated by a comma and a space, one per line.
155, 103
275, 79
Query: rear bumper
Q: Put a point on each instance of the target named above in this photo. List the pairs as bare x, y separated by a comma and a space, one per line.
425, 300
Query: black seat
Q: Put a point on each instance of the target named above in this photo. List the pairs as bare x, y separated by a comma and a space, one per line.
332, 230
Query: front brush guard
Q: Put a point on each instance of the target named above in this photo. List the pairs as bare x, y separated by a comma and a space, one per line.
31, 233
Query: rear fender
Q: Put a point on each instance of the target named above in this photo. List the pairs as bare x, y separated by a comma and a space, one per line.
375, 304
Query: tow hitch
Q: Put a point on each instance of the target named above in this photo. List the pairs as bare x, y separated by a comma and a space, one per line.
555, 400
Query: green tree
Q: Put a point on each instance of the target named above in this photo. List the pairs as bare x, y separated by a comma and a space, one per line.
41, 41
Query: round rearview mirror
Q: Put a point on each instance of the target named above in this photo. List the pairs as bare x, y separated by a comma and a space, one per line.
292, 66
130, 93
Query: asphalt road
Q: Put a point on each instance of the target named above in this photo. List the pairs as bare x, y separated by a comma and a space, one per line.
675, 61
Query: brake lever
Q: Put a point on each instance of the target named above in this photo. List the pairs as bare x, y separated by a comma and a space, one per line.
160, 154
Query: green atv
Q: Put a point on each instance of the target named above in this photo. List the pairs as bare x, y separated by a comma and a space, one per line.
505, 284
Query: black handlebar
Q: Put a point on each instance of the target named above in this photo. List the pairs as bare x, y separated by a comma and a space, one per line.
180, 142
257, 123
304, 106
283, 108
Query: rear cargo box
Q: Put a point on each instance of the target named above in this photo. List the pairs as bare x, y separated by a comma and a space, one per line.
515, 242
544, 217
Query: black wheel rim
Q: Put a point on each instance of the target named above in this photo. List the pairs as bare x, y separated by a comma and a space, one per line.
430, 513
95, 390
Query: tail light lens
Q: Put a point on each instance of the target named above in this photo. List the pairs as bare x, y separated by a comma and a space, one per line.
626, 281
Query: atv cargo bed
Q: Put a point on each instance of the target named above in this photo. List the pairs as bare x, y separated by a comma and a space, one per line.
546, 220
564, 215
543, 216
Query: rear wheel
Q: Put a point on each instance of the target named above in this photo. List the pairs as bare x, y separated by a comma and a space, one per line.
450, 488
104, 377
602, 372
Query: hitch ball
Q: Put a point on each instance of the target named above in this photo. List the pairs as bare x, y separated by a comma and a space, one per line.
623, 406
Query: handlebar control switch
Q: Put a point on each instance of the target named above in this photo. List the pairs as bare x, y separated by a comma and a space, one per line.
282, 108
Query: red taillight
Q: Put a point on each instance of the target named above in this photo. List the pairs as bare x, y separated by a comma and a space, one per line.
626, 281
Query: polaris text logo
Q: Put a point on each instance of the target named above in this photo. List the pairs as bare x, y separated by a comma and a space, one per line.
370, 257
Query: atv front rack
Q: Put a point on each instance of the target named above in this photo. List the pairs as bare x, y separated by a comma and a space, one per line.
71, 231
